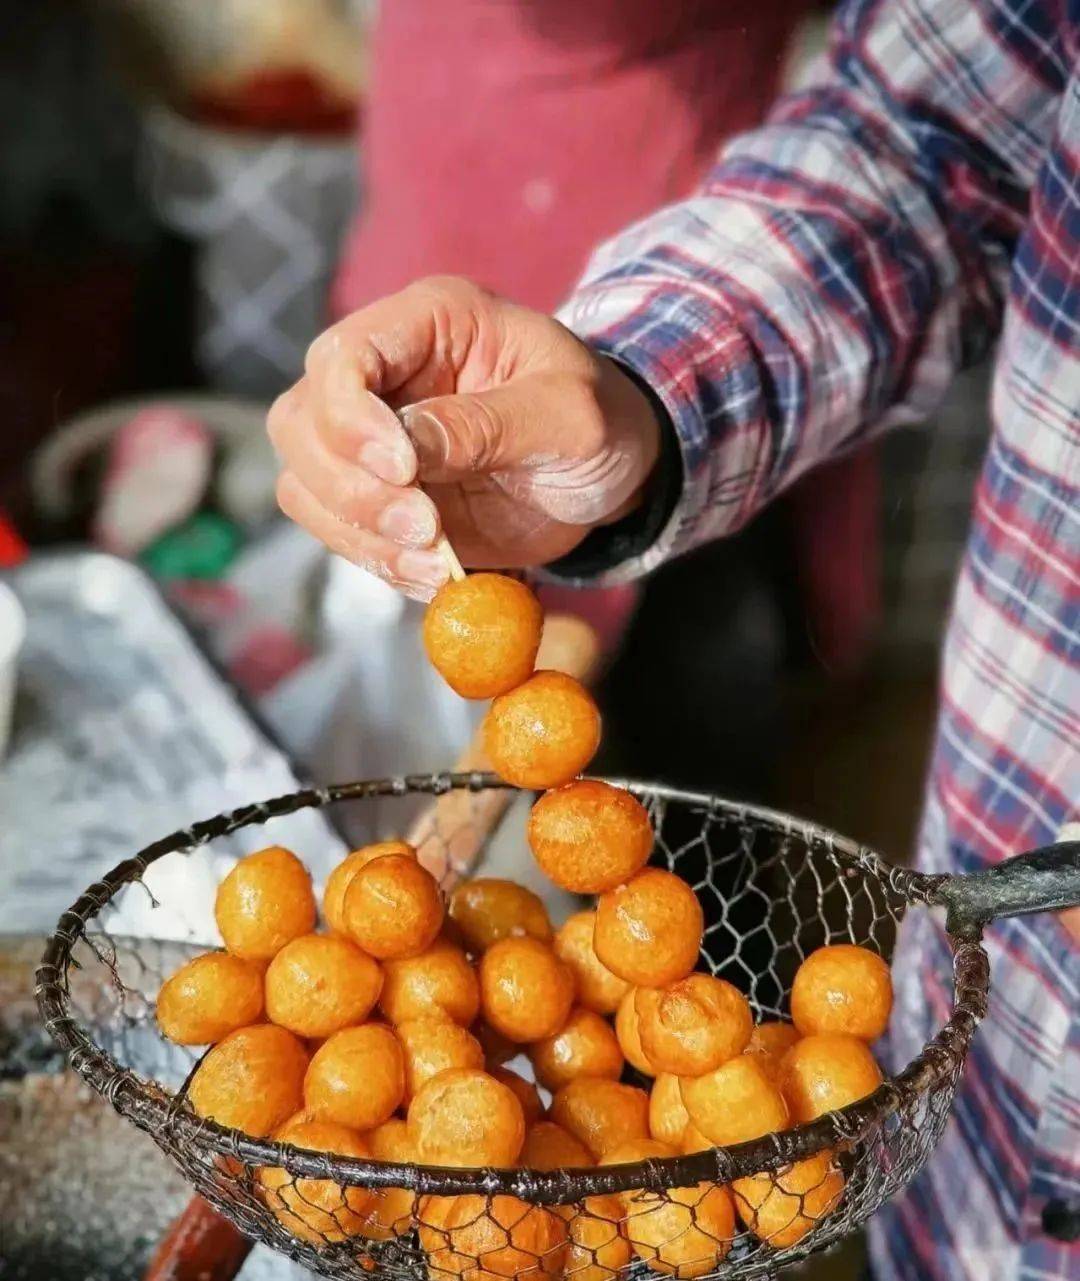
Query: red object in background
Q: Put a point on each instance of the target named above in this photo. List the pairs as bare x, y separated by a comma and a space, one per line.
285, 100
13, 551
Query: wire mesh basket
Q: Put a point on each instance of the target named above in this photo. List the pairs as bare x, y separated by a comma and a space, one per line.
773, 889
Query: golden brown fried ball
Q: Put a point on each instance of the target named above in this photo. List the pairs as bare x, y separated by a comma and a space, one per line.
843, 989
209, 997
599, 1250
684, 1232
497, 1238
438, 983
319, 983
481, 634
589, 836
253, 1080
585, 1045
264, 903
649, 930
602, 1114
543, 733
317, 1210
464, 1117
525, 990
781, 1208
696, 1024
486, 909
340, 878
735, 1102
432, 1046
356, 1077
822, 1073
393, 908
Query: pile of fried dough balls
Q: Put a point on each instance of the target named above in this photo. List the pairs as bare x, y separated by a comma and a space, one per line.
381, 1032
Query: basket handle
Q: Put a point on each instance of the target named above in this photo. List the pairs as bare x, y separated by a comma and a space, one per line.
1042, 880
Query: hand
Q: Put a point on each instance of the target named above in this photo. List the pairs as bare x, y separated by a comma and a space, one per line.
521, 437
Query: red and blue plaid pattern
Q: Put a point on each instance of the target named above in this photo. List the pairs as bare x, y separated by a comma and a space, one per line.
887, 225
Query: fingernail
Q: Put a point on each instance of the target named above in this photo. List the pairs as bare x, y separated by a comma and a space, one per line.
409, 520
388, 462
427, 568
428, 436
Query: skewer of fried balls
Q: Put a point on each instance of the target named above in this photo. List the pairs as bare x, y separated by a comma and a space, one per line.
482, 634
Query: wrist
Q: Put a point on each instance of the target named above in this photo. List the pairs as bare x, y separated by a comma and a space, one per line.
635, 418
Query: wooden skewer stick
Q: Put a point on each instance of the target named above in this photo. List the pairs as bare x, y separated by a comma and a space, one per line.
457, 573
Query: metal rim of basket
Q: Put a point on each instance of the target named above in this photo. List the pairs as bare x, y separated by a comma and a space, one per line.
152, 1108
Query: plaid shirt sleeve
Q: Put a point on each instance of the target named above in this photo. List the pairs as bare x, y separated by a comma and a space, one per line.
840, 263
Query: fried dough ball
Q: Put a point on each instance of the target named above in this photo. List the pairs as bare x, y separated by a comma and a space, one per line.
340, 878
844, 989
391, 1212
253, 1080
589, 836
432, 1046
668, 1117
465, 1117
734, 1102
542, 733
317, 1210
684, 1232
698, 1023
649, 930
481, 634
597, 988
439, 983
264, 903
393, 907
209, 997
599, 1250
602, 1114
496, 1238
820, 1074
356, 1077
585, 1045
628, 1032
549, 1147
781, 1208
527, 1094
486, 909
525, 990
319, 983
769, 1042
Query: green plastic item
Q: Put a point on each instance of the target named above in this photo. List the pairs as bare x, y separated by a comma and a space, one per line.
202, 547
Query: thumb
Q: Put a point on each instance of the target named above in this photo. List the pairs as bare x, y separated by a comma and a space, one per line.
532, 421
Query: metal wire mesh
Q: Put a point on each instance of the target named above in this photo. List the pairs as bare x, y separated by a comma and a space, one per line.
773, 889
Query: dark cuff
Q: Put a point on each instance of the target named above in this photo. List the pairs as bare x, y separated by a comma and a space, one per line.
611, 545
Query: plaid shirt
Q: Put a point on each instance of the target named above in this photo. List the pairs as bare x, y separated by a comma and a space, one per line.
920, 200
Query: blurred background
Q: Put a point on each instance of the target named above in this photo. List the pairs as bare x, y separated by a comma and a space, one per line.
189, 192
